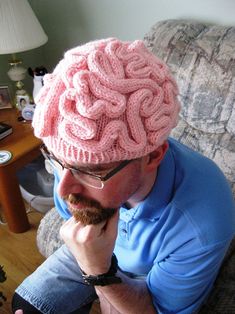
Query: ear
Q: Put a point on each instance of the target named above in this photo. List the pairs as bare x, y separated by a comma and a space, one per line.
154, 158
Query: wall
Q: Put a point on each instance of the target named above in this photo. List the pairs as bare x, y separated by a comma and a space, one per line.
71, 22
131, 19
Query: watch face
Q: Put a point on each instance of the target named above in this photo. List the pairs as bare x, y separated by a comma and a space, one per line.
5, 156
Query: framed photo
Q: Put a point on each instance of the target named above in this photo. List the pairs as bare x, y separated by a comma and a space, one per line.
22, 101
5, 99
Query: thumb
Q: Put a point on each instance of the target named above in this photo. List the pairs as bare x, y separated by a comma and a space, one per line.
19, 312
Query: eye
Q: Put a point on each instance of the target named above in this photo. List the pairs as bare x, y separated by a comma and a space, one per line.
101, 171
98, 172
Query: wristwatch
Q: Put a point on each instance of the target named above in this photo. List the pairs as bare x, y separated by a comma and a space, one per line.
105, 279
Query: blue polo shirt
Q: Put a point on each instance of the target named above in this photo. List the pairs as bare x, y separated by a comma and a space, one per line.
177, 237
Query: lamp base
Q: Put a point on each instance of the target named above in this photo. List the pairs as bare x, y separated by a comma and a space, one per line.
17, 74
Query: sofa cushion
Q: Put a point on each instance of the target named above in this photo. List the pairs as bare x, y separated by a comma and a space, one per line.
202, 59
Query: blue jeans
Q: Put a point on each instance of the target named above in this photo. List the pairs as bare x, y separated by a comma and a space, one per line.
57, 287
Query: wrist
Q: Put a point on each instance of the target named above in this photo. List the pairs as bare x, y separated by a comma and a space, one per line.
103, 279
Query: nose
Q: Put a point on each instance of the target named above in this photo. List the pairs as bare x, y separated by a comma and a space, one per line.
68, 184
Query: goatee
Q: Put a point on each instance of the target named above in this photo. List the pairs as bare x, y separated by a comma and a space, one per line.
91, 213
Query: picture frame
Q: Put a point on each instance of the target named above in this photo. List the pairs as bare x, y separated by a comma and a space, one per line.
5, 98
22, 101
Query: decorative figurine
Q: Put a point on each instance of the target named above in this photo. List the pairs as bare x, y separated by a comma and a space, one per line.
37, 75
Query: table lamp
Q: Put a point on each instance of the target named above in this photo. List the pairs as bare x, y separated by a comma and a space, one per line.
20, 31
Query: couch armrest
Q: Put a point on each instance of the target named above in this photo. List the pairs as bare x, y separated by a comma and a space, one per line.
48, 237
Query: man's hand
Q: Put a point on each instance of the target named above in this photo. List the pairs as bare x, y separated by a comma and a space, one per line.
91, 245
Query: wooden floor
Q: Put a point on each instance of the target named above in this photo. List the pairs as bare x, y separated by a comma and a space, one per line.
20, 257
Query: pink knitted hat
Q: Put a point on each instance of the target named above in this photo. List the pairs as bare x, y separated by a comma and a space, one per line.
106, 101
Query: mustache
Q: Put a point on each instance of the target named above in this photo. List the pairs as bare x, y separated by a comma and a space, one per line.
92, 212
85, 202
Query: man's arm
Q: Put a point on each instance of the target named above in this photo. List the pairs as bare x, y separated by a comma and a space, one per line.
129, 297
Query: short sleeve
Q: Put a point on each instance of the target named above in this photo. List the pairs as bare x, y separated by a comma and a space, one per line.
181, 282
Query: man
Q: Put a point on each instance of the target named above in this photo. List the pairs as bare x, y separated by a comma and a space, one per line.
151, 219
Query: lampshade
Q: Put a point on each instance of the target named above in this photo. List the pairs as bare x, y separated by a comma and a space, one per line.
20, 29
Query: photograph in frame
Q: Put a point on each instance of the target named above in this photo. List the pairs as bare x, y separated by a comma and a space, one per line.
22, 101
5, 99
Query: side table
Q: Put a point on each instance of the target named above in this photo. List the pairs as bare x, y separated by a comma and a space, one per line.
24, 147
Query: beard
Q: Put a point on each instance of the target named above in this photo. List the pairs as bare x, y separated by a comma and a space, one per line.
91, 213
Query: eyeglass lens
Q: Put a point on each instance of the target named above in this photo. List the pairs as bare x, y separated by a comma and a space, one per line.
80, 176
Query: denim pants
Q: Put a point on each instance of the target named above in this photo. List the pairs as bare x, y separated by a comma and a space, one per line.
57, 287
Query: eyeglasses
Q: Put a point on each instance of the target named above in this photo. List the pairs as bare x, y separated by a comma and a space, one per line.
93, 180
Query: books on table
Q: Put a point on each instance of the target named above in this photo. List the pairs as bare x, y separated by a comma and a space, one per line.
5, 129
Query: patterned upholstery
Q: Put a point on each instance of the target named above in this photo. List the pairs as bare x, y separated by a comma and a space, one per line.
48, 237
202, 59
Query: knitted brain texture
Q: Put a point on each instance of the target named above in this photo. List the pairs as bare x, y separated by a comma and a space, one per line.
106, 101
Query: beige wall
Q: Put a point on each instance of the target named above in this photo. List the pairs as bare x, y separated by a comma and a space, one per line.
71, 22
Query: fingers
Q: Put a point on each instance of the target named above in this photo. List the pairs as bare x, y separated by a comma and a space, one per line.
75, 231
69, 229
112, 225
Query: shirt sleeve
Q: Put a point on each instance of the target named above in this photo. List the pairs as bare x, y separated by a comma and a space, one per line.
181, 282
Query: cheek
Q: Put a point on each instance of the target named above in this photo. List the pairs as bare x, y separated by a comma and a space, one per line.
120, 189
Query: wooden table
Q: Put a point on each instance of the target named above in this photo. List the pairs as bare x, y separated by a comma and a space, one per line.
24, 147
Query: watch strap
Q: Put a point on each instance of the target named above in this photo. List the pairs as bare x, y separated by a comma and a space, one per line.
106, 278
101, 280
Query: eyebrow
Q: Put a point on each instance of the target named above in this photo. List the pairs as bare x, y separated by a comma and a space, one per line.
90, 168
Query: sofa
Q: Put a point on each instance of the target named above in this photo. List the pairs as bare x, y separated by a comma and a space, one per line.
202, 59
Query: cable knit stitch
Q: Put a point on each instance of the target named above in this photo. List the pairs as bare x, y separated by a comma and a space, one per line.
106, 101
